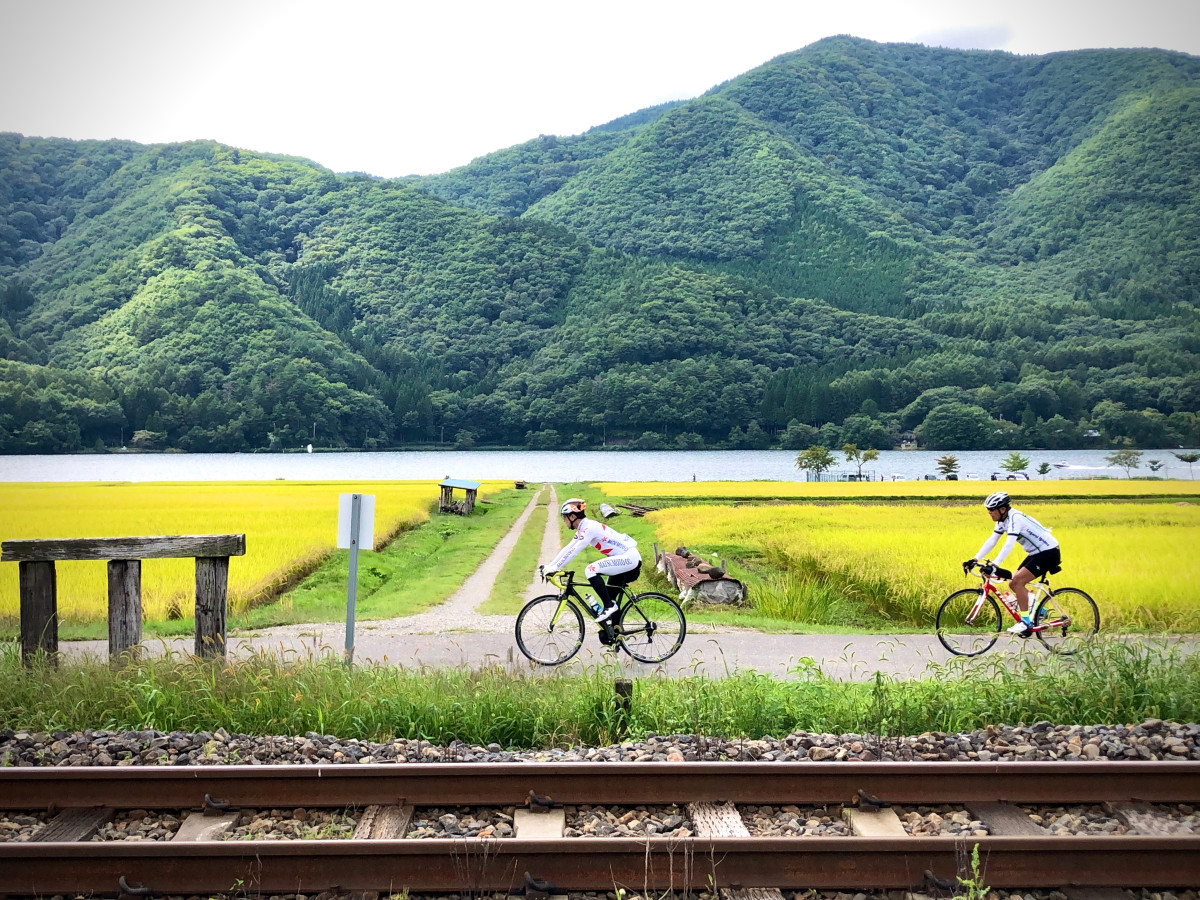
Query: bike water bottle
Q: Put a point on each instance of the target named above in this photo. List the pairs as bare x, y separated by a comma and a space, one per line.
596, 605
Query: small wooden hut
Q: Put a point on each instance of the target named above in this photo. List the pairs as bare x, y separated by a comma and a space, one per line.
447, 503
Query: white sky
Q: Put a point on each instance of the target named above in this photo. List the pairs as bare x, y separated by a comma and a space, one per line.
397, 88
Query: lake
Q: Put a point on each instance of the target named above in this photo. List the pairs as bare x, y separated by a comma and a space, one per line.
537, 465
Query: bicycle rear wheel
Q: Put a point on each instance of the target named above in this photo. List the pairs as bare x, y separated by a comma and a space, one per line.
651, 627
967, 638
1073, 619
544, 640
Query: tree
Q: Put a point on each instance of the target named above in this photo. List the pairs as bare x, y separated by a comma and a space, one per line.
859, 457
1015, 462
1189, 457
1043, 469
947, 465
815, 460
1125, 459
957, 426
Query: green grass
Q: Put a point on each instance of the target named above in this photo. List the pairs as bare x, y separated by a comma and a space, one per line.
508, 593
1112, 682
420, 569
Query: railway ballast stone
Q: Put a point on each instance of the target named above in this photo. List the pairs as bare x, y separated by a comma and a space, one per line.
1149, 740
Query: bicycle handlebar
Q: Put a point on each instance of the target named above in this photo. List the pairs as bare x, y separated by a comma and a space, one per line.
557, 578
987, 570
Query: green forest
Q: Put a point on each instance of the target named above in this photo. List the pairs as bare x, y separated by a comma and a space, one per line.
853, 243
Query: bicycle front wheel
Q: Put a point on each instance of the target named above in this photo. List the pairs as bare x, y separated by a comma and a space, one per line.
963, 630
547, 636
651, 627
1070, 619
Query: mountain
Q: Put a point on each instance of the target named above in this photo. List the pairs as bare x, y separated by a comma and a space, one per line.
828, 248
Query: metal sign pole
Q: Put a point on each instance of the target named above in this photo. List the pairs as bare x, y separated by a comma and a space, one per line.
352, 588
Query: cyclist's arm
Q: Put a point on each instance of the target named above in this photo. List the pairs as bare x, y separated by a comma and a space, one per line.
988, 545
1006, 549
567, 553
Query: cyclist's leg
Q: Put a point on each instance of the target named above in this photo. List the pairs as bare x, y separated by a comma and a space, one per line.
1019, 584
1035, 566
601, 570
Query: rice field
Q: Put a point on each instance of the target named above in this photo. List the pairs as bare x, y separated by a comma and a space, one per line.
1098, 488
289, 526
1138, 560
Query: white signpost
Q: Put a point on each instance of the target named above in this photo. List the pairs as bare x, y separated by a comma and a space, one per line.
356, 529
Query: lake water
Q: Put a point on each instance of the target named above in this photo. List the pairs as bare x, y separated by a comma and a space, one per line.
590, 465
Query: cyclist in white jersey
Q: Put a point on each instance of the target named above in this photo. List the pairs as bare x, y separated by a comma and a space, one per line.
1035, 539
620, 555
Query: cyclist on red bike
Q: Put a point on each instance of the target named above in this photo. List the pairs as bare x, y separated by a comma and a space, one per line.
1035, 539
620, 554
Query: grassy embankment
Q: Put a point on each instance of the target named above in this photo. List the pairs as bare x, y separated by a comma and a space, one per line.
290, 531
871, 561
508, 593
1111, 682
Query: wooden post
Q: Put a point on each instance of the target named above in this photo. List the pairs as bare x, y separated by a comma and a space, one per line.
39, 610
124, 607
212, 582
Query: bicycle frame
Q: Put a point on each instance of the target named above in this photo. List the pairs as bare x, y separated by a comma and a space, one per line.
568, 590
991, 590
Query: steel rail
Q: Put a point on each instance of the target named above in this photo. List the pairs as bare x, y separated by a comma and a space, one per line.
153, 787
655, 863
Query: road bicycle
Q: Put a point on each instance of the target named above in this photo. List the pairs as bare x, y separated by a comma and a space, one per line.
969, 621
650, 627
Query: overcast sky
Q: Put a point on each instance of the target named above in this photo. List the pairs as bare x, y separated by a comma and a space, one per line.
397, 88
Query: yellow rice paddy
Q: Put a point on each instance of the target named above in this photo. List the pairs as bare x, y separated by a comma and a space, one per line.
865, 490
289, 526
1138, 560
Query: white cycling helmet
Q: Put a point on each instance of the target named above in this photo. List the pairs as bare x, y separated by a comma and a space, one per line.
574, 506
996, 500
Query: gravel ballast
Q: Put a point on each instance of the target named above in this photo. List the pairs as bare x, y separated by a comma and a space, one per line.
1149, 740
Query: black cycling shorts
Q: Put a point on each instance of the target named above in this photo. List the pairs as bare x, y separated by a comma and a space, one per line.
1041, 563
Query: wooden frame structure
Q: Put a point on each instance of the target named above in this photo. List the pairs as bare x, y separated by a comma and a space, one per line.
447, 503
39, 586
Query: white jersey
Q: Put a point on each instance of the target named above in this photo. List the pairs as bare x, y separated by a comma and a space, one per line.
598, 535
1021, 529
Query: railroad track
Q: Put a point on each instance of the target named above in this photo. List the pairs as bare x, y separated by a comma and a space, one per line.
719, 852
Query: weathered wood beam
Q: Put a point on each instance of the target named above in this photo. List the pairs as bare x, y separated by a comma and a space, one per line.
39, 610
124, 606
161, 547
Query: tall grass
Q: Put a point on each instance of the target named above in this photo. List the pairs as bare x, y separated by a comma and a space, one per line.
1112, 682
290, 528
899, 560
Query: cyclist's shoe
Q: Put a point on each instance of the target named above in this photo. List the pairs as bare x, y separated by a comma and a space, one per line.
1024, 628
607, 613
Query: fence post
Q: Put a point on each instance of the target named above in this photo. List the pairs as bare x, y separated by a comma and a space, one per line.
212, 583
124, 607
39, 610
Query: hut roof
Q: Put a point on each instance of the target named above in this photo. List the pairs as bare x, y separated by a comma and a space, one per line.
461, 483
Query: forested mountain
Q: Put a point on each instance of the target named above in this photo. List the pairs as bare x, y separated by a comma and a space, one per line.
850, 242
